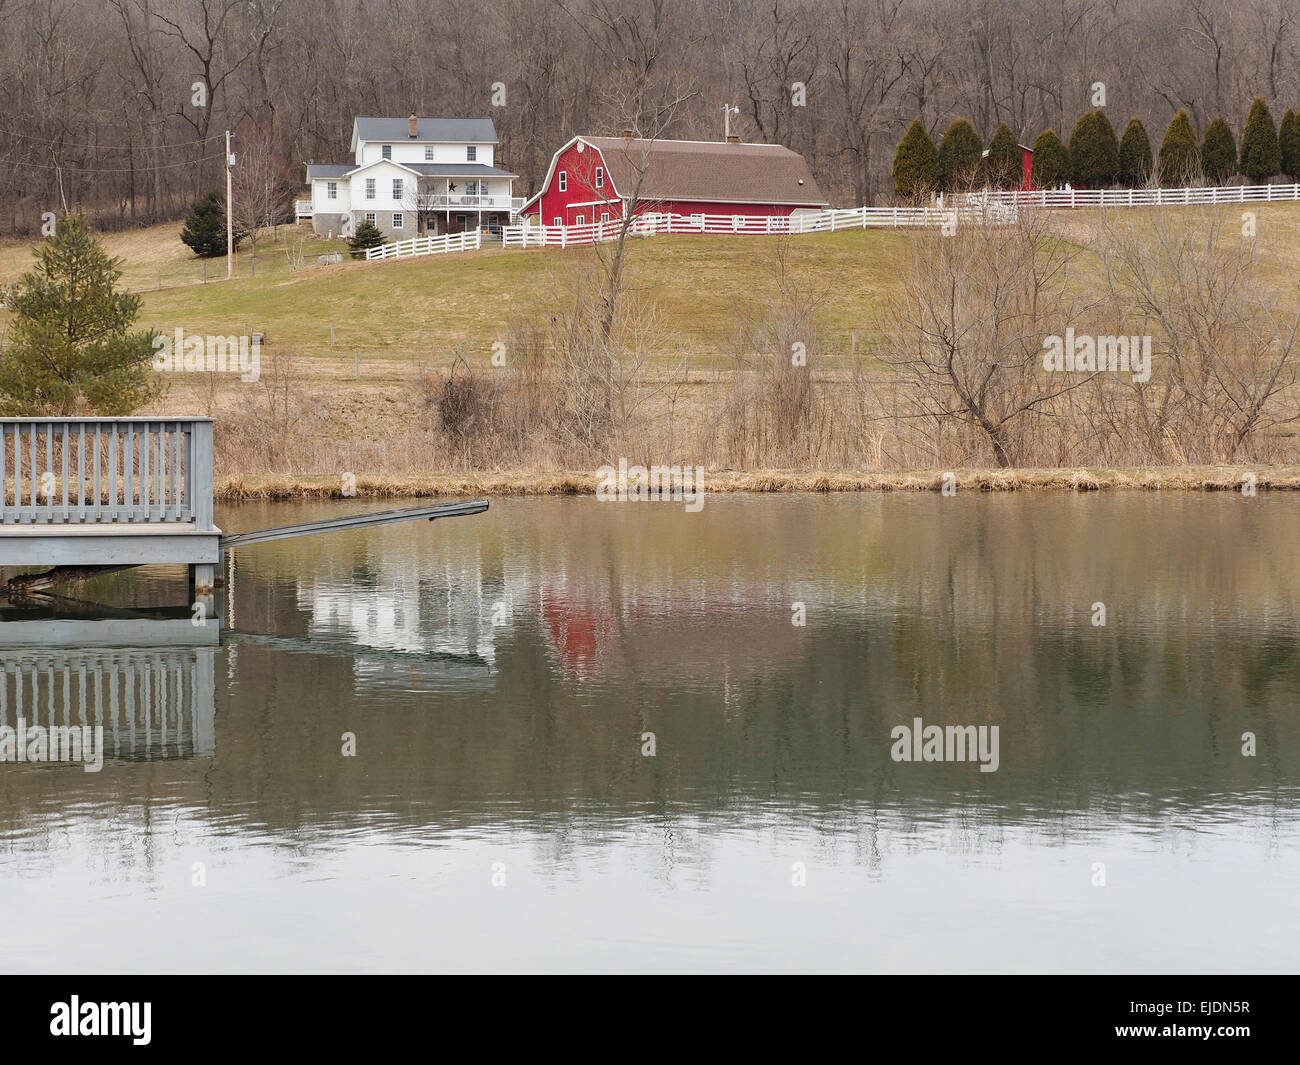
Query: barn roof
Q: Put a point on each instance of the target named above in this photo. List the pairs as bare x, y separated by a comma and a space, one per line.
709, 171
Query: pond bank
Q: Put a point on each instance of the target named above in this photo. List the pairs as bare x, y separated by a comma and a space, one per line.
236, 489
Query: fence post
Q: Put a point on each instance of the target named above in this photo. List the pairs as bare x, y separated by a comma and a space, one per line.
199, 474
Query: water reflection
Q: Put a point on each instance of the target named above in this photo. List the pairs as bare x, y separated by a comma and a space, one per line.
498, 676
148, 683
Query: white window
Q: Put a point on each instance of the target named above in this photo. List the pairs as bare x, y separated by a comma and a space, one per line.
370, 217
397, 220
482, 188
471, 188
604, 216
471, 154
428, 155
331, 190
600, 177
387, 151
397, 188
557, 221
564, 181
581, 220
370, 188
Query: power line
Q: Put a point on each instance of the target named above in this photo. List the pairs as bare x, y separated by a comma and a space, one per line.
111, 169
110, 147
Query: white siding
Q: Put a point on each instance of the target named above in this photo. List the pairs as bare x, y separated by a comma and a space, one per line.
320, 201
408, 151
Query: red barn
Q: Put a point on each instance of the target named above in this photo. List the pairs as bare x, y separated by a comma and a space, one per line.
594, 179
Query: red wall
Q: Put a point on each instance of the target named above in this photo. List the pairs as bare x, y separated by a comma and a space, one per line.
580, 166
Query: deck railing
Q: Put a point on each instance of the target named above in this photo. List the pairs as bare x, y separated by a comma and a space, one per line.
106, 471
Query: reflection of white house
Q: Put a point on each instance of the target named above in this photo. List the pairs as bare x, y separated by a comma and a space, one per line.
411, 610
411, 177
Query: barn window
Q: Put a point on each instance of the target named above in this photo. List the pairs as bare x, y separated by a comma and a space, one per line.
331, 190
600, 177
370, 188
387, 151
564, 181
557, 221
397, 188
581, 220
604, 217
397, 220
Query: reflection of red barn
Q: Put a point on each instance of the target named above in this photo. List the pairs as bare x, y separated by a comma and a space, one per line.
577, 630
594, 179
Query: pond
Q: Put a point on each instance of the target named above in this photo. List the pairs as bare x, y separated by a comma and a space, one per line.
570, 735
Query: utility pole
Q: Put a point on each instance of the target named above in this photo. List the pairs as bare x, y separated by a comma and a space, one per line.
230, 221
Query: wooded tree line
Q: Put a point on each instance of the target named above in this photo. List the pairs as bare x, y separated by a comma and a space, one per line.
119, 106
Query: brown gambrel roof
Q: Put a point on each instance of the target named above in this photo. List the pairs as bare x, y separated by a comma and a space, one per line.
708, 171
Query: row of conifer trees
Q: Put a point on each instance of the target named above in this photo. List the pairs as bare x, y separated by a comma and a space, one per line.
1096, 158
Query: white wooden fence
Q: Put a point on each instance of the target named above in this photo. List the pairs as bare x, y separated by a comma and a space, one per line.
471, 241
1070, 198
653, 223
989, 207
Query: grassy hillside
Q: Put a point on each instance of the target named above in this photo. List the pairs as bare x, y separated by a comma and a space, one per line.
701, 284
308, 414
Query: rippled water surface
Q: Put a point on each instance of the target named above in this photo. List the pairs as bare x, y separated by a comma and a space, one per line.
500, 674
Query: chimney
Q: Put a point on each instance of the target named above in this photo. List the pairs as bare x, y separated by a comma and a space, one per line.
628, 134
413, 126
733, 139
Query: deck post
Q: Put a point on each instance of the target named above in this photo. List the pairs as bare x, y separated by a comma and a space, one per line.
202, 583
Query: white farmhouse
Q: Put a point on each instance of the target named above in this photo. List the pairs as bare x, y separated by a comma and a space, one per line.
412, 177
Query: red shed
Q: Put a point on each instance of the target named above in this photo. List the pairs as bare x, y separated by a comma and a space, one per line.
593, 179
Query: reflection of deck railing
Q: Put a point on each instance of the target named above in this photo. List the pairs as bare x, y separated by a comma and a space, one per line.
154, 703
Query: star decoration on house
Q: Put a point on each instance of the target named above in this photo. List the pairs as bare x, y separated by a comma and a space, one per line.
451, 186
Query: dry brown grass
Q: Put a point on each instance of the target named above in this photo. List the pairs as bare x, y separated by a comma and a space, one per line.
583, 482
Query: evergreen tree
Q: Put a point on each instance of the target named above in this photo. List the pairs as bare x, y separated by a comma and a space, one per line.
205, 228
70, 347
1288, 142
1180, 160
960, 154
1006, 165
1219, 152
368, 235
916, 162
1134, 156
1261, 156
1094, 151
1051, 167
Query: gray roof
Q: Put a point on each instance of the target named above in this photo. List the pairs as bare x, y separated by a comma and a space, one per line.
709, 171
328, 170
467, 130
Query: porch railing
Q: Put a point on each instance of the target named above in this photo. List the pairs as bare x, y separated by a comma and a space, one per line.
66, 471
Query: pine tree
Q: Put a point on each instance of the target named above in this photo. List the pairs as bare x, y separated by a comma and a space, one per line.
1261, 157
70, 347
1219, 152
1094, 151
205, 228
1288, 142
1180, 160
1006, 165
1134, 156
1051, 167
960, 153
916, 162
368, 235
